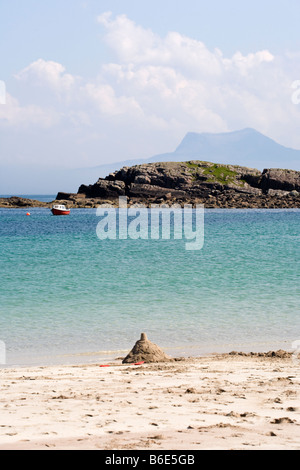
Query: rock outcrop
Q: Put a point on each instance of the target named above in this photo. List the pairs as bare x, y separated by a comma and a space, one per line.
19, 202
282, 180
194, 182
197, 181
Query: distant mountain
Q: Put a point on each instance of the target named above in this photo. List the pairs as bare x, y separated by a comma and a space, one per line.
246, 147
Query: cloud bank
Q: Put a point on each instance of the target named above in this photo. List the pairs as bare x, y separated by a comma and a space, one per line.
153, 91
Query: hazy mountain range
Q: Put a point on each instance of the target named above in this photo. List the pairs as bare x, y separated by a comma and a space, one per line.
246, 147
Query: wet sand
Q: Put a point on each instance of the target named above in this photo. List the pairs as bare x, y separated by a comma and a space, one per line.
216, 402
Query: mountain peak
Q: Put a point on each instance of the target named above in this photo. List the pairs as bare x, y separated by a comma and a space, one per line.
239, 134
245, 147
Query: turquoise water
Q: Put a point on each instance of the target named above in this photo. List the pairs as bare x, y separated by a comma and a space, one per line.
66, 296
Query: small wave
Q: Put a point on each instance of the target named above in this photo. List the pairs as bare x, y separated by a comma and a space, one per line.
95, 353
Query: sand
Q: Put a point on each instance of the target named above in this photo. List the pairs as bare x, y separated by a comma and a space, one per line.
216, 402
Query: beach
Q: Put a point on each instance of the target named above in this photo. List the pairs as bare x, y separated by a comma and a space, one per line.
227, 401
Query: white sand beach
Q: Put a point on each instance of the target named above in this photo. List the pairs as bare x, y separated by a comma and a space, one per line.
216, 402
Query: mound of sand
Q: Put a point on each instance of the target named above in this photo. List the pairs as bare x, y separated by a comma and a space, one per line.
146, 351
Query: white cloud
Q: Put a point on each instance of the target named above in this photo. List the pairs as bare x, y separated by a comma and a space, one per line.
155, 89
14, 114
48, 73
136, 45
179, 78
105, 99
244, 64
130, 41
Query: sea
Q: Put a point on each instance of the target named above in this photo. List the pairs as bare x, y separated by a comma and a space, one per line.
68, 296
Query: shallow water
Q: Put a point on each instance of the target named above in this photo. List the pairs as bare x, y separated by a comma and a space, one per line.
67, 296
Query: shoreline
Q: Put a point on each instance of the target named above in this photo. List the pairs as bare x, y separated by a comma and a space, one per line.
182, 352
222, 401
243, 201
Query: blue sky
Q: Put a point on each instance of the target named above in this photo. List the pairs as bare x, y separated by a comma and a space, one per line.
66, 30
96, 81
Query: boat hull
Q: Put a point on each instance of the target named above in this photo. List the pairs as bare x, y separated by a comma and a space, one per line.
60, 212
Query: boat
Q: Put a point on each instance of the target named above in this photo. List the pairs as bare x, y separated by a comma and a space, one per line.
59, 209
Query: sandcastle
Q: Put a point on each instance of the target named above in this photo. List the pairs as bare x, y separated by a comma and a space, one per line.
146, 351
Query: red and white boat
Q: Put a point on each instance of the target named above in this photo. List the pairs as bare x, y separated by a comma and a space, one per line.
59, 209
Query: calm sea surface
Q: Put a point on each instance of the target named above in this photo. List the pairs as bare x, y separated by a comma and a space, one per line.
67, 296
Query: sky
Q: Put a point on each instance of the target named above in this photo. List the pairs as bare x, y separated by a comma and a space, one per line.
91, 82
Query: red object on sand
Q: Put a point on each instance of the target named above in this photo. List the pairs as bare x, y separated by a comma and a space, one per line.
135, 364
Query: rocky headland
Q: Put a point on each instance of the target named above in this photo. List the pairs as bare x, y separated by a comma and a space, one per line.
194, 182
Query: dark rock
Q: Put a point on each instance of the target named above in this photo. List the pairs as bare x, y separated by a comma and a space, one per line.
103, 189
187, 181
193, 182
146, 190
284, 180
64, 196
16, 201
